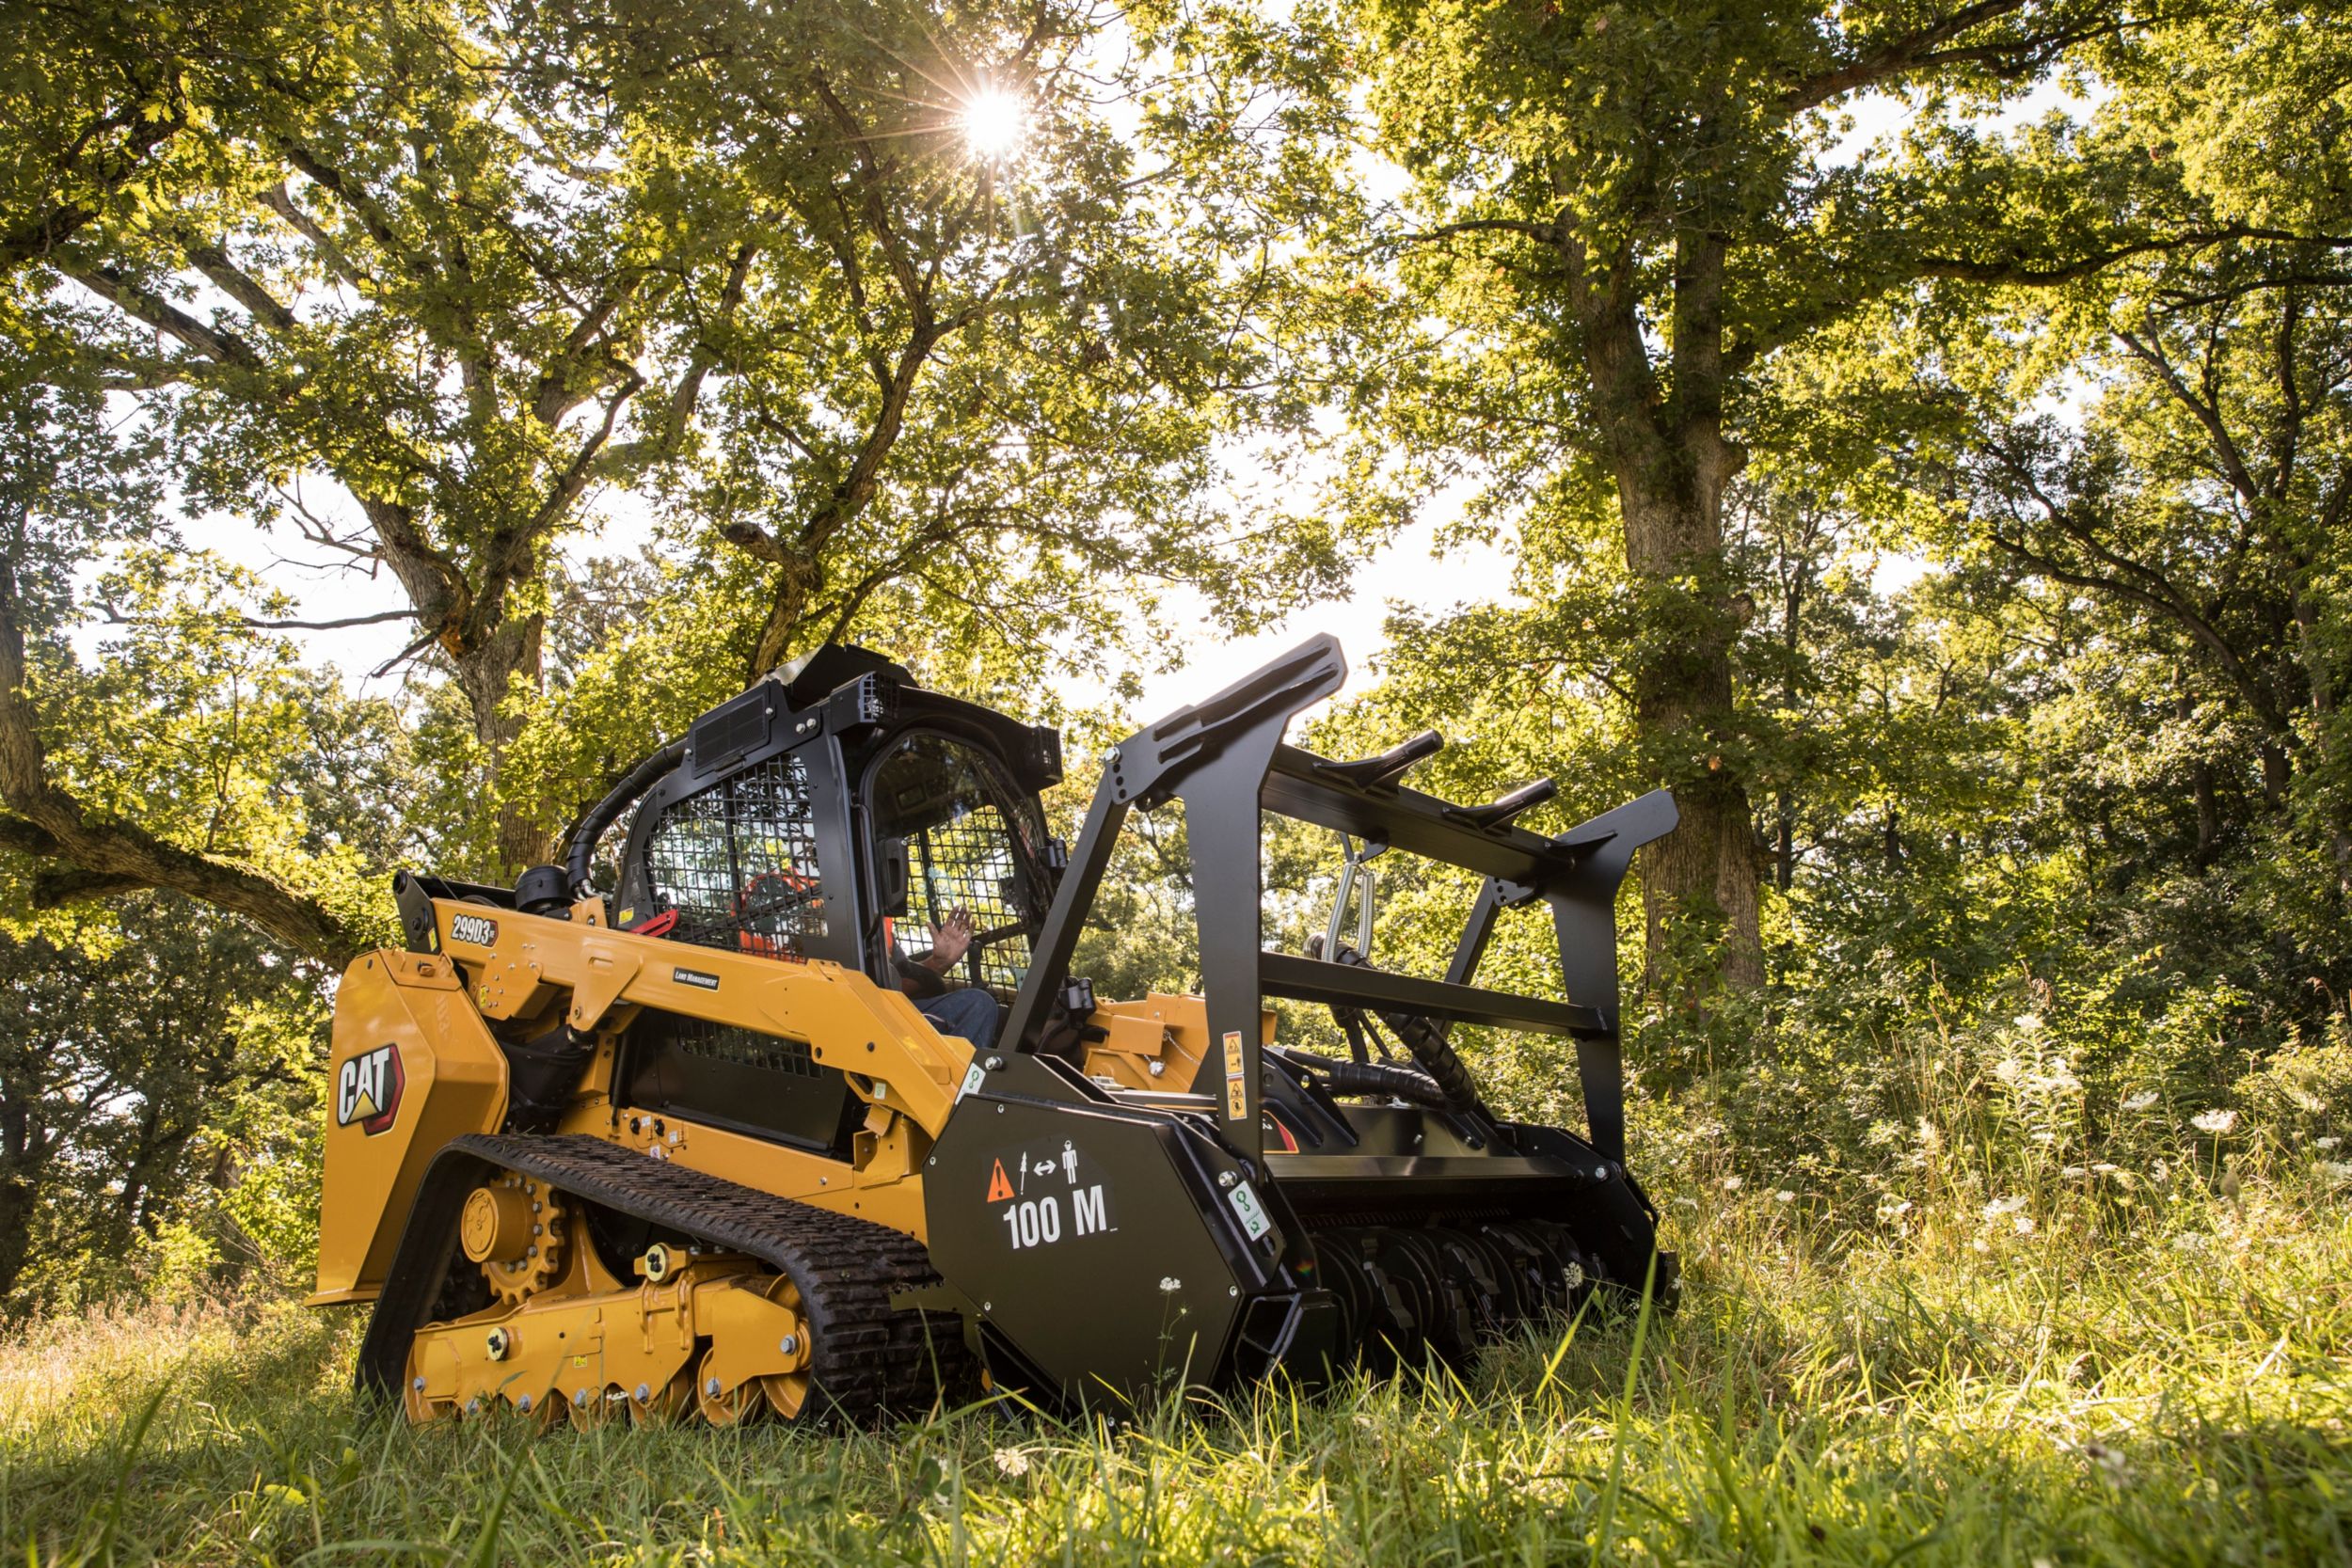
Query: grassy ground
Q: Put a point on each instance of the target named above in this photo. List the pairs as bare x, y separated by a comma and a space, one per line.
1962, 1392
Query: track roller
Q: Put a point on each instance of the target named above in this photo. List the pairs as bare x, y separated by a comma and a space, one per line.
800, 1323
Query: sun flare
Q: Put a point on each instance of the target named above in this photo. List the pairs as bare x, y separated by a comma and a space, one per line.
993, 123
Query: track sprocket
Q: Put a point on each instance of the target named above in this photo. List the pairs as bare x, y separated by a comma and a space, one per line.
514, 1280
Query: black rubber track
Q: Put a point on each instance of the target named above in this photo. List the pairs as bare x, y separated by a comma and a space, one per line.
868, 1359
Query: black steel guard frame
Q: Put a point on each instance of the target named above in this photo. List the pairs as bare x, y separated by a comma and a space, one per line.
1225, 760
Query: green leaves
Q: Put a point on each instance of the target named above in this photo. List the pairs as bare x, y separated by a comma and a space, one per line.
437, 300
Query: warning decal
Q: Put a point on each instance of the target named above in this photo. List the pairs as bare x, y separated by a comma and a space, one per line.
1236, 1091
1051, 1194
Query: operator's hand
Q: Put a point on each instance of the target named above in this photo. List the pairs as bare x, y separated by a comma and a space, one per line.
950, 939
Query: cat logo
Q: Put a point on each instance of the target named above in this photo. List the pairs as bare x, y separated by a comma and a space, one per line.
367, 1090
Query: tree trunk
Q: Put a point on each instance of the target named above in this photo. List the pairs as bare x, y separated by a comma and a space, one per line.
19, 1188
2276, 774
797, 580
2321, 679
1784, 846
16, 1219
487, 674
2201, 785
1666, 446
1706, 869
1784, 803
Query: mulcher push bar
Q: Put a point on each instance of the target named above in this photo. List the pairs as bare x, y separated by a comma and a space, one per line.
1225, 760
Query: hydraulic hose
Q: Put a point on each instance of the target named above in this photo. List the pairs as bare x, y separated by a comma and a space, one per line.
1371, 1078
605, 812
1432, 1051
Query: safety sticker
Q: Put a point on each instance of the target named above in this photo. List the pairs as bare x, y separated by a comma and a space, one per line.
973, 1077
1049, 1195
1236, 1091
1253, 1221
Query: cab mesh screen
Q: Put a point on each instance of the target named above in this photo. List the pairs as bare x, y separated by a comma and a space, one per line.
739, 863
970, 844
968, 864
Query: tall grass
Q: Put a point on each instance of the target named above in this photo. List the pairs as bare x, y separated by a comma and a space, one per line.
1949, 1388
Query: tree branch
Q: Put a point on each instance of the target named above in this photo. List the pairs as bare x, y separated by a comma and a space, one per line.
113, 285
113, 857
2206, 414
1893, 57
278, 199
116, 618
38, 237
211, 259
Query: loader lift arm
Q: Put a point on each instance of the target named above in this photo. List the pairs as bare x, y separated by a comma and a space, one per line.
1225, 758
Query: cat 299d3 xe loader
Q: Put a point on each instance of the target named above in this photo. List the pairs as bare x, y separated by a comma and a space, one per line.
693, 1148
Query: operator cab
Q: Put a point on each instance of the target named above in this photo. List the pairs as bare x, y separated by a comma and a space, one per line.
836, 811
839, 811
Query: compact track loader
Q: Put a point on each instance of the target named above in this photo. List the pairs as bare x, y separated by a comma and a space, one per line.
694, 1149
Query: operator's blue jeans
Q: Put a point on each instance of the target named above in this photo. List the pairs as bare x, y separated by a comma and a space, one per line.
970, 1012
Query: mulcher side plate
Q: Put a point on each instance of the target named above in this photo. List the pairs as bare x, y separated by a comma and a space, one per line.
1098, 1241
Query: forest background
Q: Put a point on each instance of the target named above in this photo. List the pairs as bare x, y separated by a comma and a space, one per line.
1920, 435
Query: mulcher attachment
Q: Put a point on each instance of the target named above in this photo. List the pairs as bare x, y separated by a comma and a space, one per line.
1345, 1209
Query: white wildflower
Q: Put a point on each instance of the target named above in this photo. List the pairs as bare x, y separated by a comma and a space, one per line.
1686, 1203
2103, 1169
2307, 1100
2000, 1206
2046, 1137
1012, 1462
2329, 1142
1784, 1195
2215, 1122
2029, 1023
1893, 1211
2333, 1170
2161, 1170
2072, 1173
1731, 1183
2140, 1102
2008, 1069
2024, 1224
2193, 1240
2108, 1459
